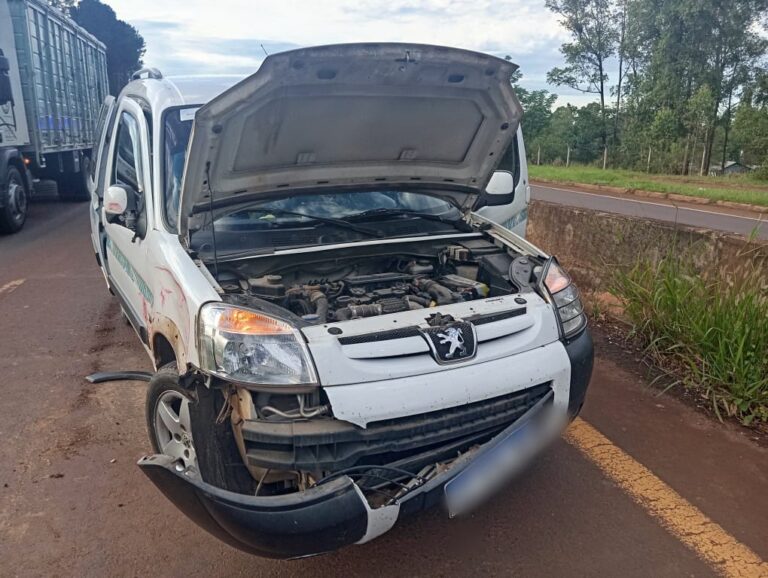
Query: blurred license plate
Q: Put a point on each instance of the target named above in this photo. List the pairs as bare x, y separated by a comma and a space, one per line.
486, 473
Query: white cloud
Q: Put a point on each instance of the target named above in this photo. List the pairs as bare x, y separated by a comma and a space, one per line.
197, 36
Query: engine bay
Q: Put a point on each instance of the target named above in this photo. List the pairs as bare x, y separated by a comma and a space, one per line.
360, 283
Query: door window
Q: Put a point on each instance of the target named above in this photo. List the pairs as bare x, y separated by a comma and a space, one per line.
127, 161
101, 145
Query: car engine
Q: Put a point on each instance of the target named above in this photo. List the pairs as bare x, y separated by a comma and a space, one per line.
341, 289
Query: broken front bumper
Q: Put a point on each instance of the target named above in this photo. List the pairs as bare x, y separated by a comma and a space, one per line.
336, 514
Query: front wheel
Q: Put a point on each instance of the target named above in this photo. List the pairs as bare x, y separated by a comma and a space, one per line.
183, 424
169, 421
13, 213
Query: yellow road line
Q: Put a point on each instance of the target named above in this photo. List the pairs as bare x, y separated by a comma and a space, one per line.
10, 286
687, 523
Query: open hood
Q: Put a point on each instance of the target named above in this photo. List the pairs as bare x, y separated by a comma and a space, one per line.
352, 115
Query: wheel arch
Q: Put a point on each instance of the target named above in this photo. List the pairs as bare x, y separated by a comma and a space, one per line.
166, 344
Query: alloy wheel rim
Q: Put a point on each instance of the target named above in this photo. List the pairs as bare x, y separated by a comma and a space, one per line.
173, 430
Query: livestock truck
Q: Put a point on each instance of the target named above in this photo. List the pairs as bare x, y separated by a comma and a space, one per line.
53, 79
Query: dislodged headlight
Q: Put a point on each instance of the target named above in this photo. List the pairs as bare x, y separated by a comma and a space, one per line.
251, 347
566, 297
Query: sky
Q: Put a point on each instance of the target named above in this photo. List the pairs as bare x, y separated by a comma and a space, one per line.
186, 37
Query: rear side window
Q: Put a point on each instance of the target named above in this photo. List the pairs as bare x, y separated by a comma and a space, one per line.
127, 165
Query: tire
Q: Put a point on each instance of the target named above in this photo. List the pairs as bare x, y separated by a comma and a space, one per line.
74, 186
218, 461
13, 214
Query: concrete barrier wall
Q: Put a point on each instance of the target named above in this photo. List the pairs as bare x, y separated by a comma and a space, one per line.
592, 245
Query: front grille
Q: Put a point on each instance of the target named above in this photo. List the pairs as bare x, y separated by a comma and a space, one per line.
330, 445
379, 336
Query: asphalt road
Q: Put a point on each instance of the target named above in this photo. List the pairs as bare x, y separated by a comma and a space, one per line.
73, 502
703, 216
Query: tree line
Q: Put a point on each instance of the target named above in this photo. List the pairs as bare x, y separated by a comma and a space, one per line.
125, 46
679, 86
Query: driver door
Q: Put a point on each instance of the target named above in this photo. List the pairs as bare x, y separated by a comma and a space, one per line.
126, 246
97, 175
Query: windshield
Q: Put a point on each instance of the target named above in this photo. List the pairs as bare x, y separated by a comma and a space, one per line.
176, 130
313, 219
357, 205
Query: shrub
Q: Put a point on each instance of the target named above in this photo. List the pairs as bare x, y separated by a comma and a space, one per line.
712, 333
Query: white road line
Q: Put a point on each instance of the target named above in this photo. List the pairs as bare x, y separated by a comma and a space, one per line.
11, 286
667, 205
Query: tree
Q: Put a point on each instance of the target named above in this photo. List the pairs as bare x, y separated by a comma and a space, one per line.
593, 26
750, 133
559, 134
697, 124
537, 106
537, 110
125, 46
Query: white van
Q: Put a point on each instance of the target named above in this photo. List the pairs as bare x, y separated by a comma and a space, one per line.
341, 338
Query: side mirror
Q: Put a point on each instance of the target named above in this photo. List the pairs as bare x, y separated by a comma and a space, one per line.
115, 203
499, 191
501, 183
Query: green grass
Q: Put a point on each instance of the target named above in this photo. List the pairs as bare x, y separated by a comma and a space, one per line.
712, 334
737, 188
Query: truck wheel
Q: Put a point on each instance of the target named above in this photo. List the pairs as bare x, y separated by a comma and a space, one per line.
14, 210
183, 425
74, 186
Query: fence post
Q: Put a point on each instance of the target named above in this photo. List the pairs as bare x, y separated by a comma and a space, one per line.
605, 156
568, 157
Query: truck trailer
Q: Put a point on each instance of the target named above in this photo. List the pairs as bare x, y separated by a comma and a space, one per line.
53, 79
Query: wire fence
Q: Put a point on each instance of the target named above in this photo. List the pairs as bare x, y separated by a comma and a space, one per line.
669, 159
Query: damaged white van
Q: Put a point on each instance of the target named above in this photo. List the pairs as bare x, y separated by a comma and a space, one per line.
340, 338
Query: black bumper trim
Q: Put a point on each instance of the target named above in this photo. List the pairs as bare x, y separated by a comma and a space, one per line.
581, 352
318, 520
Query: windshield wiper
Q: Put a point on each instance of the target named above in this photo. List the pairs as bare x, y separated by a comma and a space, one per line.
384, 212
341, 223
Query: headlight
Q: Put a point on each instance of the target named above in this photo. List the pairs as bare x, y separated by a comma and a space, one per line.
566, 298
251, 347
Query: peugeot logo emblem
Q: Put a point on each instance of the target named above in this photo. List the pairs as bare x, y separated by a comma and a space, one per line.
454, 337
452, 342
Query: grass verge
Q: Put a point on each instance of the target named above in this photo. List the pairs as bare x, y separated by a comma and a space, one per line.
737, 188
711, 334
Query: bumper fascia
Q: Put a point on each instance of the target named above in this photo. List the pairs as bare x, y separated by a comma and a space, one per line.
335, 514
319, 520
581, 353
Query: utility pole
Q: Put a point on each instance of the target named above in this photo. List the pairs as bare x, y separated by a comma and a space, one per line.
648, 164
538, 157
568, 157
605, 157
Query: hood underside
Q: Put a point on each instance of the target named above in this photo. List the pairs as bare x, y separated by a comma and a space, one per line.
353, 115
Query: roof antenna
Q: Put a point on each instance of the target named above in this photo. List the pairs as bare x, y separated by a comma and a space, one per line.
213, 227
264, 49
